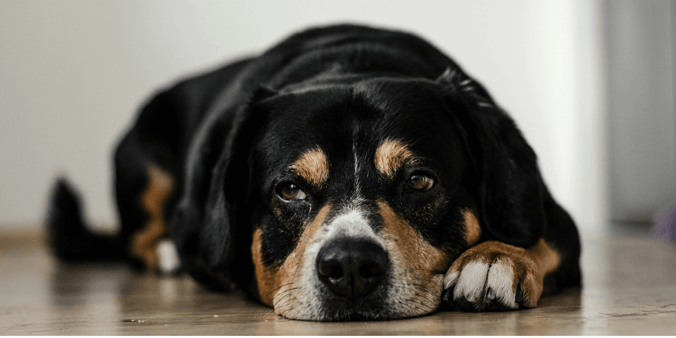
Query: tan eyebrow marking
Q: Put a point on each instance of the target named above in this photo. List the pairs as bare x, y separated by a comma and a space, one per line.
390, 156
313, 166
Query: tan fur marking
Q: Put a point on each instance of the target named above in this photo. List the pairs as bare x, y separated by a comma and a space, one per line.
153, 200
472, 228
270, 281
265, 276
546, 258
390, 156
420, 256
313, 166
547, 261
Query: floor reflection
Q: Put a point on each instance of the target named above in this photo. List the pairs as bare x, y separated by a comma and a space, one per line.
629, 288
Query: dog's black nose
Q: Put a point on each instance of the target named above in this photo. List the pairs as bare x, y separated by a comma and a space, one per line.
352, 267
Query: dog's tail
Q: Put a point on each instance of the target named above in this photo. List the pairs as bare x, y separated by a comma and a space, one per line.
69, 237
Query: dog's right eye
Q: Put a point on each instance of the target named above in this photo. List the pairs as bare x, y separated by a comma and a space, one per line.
290, 191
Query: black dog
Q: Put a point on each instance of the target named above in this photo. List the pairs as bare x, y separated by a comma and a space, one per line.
346, 173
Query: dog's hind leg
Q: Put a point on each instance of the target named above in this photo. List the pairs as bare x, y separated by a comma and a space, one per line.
147, 185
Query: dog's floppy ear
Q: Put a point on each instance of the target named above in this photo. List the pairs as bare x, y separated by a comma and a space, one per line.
217, 179
511, 190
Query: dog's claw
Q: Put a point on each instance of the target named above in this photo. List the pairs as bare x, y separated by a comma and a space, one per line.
447, 295
465, 304
519, 294
490, 294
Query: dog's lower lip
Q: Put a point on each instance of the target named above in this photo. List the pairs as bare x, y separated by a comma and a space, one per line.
344, 308
356, 313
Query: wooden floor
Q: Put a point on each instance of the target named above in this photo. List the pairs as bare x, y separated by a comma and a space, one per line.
630, 289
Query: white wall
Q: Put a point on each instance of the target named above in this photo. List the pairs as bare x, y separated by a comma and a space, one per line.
642, 115
72, 74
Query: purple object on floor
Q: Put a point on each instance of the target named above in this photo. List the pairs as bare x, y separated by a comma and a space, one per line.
666, 224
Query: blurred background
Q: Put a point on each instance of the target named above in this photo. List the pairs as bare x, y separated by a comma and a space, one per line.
590, 82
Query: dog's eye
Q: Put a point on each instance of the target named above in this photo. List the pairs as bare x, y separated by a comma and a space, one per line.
420, 182
290, 191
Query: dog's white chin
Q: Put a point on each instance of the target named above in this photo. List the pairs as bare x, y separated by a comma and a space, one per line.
402, 301
354, 314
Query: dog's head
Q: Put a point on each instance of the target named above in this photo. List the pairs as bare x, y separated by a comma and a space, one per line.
352, 200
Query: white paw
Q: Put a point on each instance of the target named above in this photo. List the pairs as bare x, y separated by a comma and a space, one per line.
167, 257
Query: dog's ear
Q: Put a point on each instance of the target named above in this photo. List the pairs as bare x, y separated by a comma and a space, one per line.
510, 185
217, 182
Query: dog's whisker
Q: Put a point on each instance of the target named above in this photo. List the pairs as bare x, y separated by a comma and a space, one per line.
281, 286
287, 301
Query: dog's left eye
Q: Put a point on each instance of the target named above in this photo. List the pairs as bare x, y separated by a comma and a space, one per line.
420, 182
290, 191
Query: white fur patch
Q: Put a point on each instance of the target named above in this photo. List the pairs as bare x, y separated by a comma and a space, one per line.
167, 257
501, 280
356, 194
472, 280
351, 224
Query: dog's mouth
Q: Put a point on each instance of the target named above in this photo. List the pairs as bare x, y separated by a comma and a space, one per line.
372, 307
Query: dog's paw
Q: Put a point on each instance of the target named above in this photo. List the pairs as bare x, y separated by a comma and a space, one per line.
493, 276
168, 262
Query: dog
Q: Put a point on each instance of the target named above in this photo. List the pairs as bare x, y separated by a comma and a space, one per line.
346, 173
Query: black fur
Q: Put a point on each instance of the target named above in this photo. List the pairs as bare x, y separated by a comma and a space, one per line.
70, 239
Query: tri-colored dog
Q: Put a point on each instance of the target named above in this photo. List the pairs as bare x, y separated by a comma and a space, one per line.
346, 173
